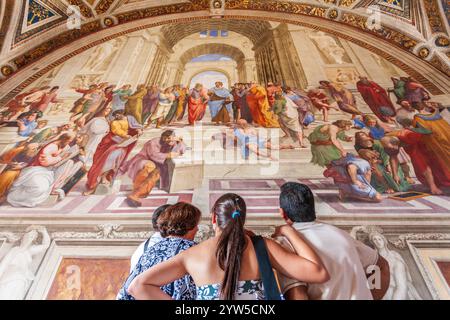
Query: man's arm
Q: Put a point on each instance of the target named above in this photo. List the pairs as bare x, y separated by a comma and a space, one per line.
297, 293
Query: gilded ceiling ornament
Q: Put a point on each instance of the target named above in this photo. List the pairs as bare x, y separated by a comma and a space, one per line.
108, 22
346, 3
434, 15
333, 14
84, 9
442, 42
6, 71
103, 6
217, 8
424, 52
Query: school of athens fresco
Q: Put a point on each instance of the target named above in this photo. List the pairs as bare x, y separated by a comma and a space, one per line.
94, 138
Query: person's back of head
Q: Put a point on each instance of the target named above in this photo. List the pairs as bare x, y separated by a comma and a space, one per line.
297, 202
229, 214
179, 220
156, 215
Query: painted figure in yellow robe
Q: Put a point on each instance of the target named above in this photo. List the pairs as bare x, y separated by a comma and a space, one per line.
22, 157
134, 106
181, 104
258, 104
438, 142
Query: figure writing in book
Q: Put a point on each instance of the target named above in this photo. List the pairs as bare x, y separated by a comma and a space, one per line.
149, 165
37, 181
113, 150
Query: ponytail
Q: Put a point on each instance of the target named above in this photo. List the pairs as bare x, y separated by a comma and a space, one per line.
230, 211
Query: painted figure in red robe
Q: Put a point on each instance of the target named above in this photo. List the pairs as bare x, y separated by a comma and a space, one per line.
429, 170
376, 98
112, 151
197, 103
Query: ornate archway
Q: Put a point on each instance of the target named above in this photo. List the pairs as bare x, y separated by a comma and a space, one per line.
219, 70
227, 50
43, 58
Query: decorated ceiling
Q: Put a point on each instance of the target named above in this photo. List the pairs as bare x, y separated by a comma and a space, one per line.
31, 29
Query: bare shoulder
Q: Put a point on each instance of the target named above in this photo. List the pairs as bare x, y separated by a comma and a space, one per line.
203, 247
332, 128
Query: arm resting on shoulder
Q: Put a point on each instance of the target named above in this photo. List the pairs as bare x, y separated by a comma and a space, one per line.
297, 293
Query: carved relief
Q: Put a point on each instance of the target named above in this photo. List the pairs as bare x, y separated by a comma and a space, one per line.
102, 55
103, 6
18, 264
330, 48
434, 15
401, 282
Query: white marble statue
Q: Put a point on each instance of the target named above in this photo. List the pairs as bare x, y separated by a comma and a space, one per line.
401, 286
329, 47
16, 272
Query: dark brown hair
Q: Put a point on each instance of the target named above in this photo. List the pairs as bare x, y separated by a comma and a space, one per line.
230, 212
178, 219
341, 124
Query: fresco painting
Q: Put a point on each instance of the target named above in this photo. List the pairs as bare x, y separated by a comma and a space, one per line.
188, 111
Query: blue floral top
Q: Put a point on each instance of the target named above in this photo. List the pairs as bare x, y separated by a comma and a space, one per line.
247, 290
183, 288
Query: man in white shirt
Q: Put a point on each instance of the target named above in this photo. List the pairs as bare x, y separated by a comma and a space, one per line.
346, 259
154, 239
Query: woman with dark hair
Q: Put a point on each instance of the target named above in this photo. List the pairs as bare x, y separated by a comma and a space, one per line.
226, 266
178, 225
154, 239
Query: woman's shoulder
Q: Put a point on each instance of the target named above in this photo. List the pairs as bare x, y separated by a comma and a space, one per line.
202, 248
167, 243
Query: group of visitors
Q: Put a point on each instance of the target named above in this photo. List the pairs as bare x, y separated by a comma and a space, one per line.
311, 260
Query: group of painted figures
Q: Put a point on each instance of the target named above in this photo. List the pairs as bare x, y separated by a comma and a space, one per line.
418, 132
106, 123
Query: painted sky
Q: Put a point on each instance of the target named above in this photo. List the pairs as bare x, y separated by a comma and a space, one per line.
209, 78
211, 57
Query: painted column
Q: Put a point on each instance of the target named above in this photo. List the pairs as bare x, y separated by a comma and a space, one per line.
173, 71
143, 66
250, 67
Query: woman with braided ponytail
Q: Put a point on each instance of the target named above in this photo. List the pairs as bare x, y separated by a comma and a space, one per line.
226, 266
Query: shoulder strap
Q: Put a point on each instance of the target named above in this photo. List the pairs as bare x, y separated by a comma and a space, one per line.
146, 244
271, 291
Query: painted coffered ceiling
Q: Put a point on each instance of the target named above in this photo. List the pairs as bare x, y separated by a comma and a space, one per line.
25, 19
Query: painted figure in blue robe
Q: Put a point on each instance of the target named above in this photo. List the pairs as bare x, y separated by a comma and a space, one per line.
304, 106
352, 175
218, 96
376, 131
27, 122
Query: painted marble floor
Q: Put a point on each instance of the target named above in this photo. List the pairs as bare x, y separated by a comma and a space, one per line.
261, 196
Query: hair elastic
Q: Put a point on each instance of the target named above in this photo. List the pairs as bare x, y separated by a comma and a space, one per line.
236, 214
